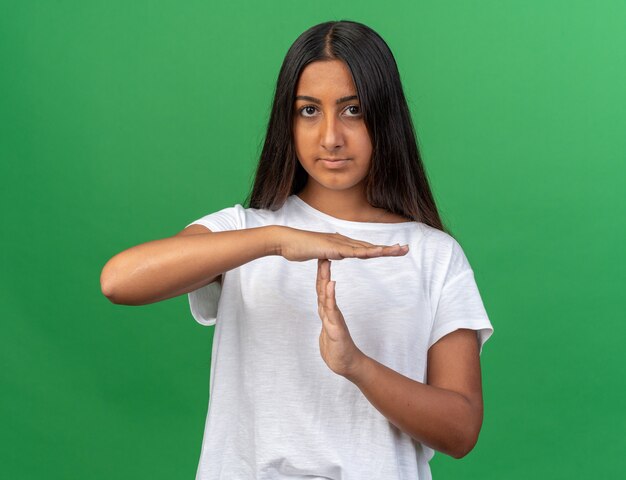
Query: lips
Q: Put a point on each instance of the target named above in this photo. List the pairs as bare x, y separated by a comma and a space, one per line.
334, 162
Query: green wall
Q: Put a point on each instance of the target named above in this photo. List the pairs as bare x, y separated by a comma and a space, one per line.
121, 122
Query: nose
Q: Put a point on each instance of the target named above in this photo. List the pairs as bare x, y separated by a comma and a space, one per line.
331, 133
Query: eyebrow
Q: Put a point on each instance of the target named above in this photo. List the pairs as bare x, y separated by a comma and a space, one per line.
319, 102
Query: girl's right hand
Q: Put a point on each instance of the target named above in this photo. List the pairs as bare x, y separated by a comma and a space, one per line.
301, 245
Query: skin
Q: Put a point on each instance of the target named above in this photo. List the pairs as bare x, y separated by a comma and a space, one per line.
324, 128
446, 413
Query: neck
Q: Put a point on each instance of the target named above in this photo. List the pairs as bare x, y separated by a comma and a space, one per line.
350, 204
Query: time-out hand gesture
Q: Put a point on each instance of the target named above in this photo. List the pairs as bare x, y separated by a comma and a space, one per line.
336, 346
301, 245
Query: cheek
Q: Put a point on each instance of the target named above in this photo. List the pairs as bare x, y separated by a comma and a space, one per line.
301, 146
303, 140
365, 144
297, 141
298, 133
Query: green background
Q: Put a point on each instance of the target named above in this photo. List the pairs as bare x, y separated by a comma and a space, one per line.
121, 122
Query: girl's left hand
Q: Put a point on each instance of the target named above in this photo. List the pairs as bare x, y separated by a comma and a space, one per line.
336, 346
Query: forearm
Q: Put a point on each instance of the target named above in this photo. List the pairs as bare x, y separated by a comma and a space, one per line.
441, 419
168, 267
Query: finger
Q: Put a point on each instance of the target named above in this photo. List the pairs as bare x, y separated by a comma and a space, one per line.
380, 251
318, 280
324, 266
326, 305
326, 279
363, 243
330, 305
396, 250
321, 282
360, 251
368, 252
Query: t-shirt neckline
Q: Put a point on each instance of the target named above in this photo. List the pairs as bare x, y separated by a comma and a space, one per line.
348, 223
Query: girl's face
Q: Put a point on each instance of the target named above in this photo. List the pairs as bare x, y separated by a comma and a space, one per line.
331, 140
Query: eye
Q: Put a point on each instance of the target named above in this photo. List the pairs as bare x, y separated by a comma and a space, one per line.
307, 111
355, 110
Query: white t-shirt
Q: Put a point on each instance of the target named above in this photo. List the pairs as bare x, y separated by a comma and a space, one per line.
276, 411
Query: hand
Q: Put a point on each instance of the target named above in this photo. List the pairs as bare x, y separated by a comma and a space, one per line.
336, 346
300, 245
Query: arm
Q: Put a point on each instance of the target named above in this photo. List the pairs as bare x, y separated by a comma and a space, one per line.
165, 268
445, 414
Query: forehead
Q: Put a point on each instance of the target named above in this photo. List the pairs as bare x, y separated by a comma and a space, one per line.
330, 76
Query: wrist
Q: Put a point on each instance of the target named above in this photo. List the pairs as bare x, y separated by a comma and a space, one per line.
359, 369
273, 244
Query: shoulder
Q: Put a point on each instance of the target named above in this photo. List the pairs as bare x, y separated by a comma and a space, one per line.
438, 251
390, 217
435, 239
233, 217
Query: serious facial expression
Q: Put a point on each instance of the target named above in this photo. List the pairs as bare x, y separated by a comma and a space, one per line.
331, 140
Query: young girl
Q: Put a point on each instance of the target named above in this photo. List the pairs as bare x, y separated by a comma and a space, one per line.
354, 372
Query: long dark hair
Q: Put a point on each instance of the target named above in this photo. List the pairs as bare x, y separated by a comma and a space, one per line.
397, 180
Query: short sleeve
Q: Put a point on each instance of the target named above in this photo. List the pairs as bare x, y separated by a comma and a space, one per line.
204, 301
460, 304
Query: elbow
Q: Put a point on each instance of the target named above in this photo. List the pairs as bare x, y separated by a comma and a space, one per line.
465, 441
464, 434
116, 285
108, 283
463, 448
